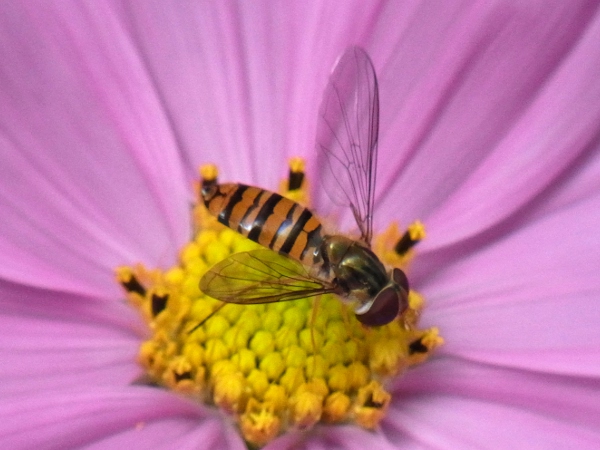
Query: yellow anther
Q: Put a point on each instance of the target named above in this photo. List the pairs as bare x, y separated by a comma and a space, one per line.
276, 396
232, 312
229, 238
245, 360
151, 356
416, 231
294, 356
296, 176
311, 340
337, 331
334, 352
209, 172
316, 366
338, 378
222, 368
273, 365
258, 382
415, 301
292, 379
159, 297
216, 327
387, 356
249, 320
336, 407
123, 274
271, 320
259, 424
190, 287
307, 408
126, 277
179, 368
262, 343
194, 353
206, 238
285, 337
420, 348
244, 245
182, 376
294, 317
228, 391
358, 375
174, 276
296, 164
191, 252
196, 267
215, 351
414, 234
316, 385
355, 350
371, 404
236, 338
216, 252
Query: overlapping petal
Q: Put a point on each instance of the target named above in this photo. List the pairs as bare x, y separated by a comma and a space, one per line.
529, 300
90, 173
455, 402
54, 340
555, 127
110, 416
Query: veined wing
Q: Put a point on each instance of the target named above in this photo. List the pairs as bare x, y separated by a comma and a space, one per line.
347, 133
260, 276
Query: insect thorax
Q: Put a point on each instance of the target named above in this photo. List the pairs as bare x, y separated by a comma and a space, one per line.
358, 272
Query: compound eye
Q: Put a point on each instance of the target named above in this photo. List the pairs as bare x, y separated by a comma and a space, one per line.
383, 310
400, 279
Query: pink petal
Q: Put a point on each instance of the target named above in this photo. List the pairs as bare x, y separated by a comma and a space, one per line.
90, 175
49, 340
563, 398
453, 403
451, 422
116, 416
346, 437
243, 82
527, 301
556, 123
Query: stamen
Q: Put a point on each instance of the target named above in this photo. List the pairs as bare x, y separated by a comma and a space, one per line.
296, 175
413, 235
208, 175
159, 302
273, 367
372, 405
128, 280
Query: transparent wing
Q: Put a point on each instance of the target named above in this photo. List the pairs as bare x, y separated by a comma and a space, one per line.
260, 276
347, 133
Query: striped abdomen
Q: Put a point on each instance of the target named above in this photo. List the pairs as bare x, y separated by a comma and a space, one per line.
266, 218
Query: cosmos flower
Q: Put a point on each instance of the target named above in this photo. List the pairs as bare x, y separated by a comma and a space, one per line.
489, 134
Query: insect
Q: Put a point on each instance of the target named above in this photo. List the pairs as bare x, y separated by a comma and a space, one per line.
303, 260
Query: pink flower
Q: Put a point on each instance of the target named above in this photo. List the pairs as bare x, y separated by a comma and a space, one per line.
490, 125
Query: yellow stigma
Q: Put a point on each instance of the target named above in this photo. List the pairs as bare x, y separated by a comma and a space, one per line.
272, 367
209, 172
296, 164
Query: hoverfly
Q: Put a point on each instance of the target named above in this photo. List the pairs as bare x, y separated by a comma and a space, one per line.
304, 260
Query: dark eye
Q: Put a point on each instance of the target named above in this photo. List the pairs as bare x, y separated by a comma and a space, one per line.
400, 279
383, 310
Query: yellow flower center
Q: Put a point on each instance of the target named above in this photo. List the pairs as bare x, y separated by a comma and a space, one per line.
279, 366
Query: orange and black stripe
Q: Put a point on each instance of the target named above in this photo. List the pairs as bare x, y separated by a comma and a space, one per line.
267, 218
